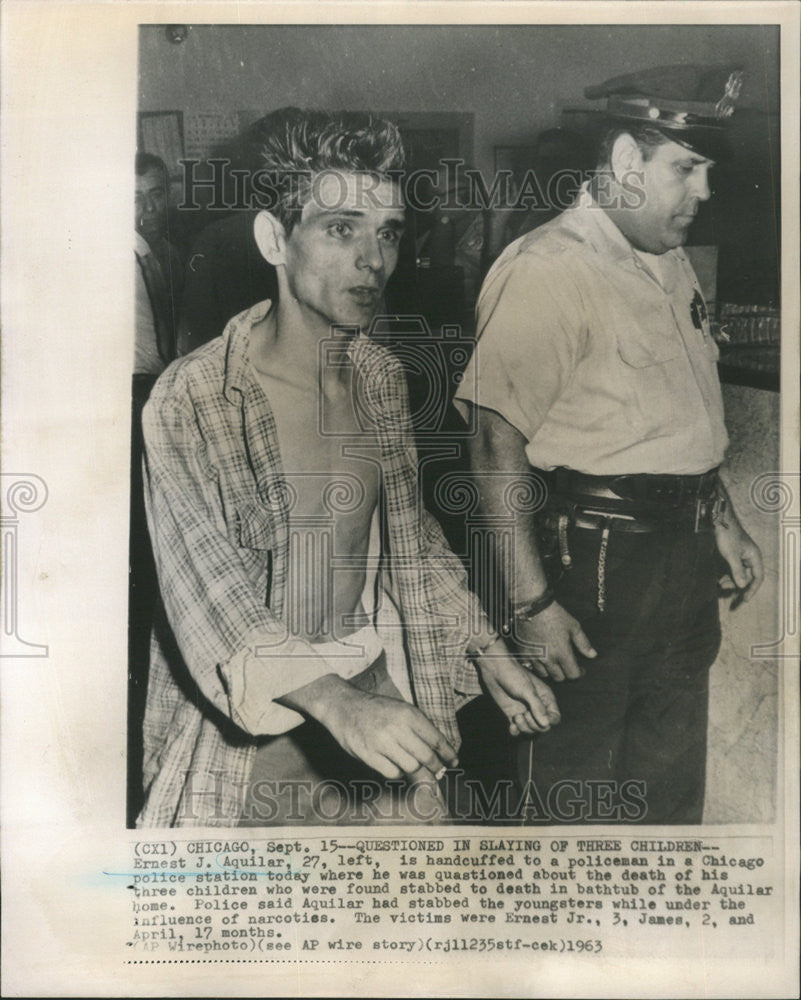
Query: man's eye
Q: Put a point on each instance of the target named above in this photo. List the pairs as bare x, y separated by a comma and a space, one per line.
389, 236
684, 169
340, 229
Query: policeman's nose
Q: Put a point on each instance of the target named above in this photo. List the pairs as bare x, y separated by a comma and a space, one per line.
701, 185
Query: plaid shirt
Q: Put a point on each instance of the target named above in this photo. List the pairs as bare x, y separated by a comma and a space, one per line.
218, 519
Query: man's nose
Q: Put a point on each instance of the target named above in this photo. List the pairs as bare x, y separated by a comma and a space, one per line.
701, 184
370, 254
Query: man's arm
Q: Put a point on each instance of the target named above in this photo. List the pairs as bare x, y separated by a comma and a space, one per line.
528, 704
236, 650
553, 635
238, 653
389, 735
740, 551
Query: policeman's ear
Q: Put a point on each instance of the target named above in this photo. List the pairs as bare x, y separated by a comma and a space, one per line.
270, 238
626, 156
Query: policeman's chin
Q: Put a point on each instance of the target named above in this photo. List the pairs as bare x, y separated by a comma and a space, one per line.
670, 238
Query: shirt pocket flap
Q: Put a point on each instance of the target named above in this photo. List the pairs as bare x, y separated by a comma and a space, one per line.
640, 349
253, 527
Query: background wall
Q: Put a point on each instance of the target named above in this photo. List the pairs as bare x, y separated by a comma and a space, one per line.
511, 82
515, 79
742, 757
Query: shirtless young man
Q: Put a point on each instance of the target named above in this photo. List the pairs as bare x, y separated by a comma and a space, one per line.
317, 633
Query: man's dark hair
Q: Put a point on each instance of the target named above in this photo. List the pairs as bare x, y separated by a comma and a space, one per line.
296, 145
149, 161
646, 136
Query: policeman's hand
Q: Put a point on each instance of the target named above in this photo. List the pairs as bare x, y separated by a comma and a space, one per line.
528, 703
390, 736
742, 556
550, 638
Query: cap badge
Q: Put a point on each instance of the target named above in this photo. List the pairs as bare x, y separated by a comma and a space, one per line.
725, 106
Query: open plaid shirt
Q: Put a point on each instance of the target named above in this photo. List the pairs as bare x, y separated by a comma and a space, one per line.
218, 518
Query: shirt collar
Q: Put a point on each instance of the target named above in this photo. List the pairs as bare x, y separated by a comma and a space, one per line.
599, 230
236, 337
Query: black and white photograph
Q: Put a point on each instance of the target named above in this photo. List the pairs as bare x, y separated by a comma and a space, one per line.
496, 581
401, 545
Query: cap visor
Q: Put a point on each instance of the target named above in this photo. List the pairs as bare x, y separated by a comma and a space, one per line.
713, 143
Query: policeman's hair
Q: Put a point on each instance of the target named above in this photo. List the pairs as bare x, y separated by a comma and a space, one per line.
647, 138
296, 145
149, 161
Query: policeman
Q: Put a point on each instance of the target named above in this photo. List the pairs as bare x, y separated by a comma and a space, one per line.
596, 372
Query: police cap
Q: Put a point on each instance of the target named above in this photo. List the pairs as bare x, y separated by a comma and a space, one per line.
691, 105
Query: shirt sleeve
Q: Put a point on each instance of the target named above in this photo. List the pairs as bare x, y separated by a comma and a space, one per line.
530, 336
446, 575
474, 628
237, 652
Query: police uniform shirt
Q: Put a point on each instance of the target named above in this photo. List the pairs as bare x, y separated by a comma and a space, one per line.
604, 366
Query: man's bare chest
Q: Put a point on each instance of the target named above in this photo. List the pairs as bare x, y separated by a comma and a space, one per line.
330, 463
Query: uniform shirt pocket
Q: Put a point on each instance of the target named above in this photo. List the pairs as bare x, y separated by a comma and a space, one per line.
638, 349
653, 366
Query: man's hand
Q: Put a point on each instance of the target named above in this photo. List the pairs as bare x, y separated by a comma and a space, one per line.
528, 704
742, 556
550, 639
390, 736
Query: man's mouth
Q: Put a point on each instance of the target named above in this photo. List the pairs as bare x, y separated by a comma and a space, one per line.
365, 295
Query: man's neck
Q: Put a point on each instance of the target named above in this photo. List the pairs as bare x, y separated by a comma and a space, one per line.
287, 343
607, 198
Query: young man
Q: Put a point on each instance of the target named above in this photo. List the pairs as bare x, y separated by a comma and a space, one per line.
316, 627
598, 371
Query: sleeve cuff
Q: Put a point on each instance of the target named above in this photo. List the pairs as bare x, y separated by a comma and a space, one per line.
465, 680
262, 671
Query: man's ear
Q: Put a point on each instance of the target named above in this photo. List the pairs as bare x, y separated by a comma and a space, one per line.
270, 238
626, 156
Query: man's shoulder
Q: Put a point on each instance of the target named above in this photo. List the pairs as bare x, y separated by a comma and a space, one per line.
552, 256
562, 236
197, 377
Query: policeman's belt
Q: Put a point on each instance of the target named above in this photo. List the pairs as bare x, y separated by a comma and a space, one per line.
636, 503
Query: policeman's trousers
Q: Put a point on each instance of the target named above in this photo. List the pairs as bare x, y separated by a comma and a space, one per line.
631, 746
